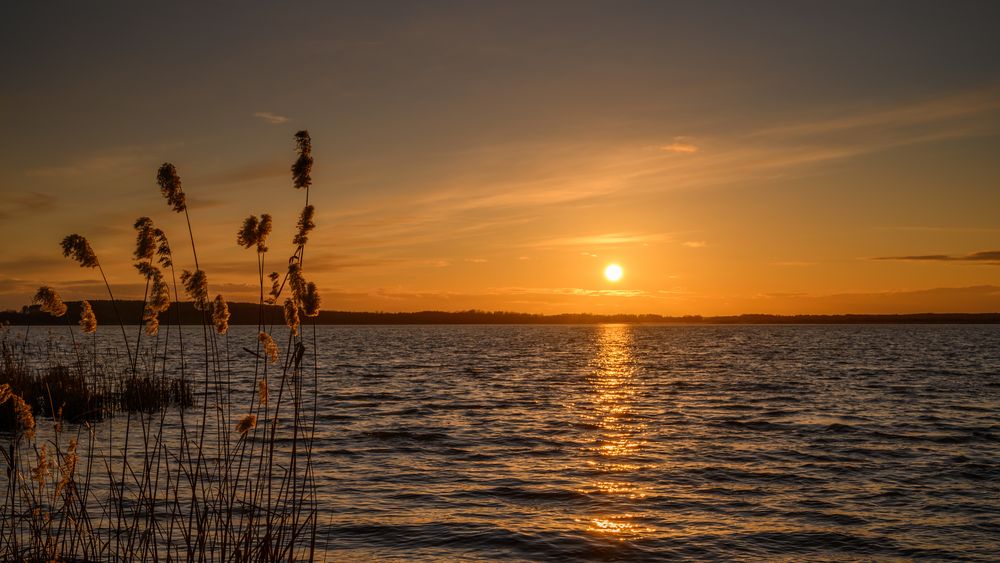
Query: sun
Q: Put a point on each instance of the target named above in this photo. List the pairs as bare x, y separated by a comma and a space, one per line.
613, 272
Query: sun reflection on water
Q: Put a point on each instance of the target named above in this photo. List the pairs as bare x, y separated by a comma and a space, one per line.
619, 435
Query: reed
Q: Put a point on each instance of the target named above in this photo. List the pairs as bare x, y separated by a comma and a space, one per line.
231, 482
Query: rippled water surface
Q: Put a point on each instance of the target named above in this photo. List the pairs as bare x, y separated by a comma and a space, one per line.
618, 442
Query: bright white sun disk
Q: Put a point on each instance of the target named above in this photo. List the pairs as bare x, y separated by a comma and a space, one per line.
613, 272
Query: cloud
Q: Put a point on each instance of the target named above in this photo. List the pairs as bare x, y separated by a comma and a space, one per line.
989, 257
695, 244
680, 148
968, 105
26, 203
33, 263
272, 118
607, 239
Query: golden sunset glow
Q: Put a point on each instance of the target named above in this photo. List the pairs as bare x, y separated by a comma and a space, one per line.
613, 272
456, 169
620, 431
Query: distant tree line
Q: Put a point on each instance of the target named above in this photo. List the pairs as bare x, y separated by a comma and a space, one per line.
249, 314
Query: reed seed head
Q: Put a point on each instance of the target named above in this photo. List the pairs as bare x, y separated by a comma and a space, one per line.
311, 301
305, 225
88, 322
50, 301
270, 348
263, 230
247, 423
302, 168
22, 412
44, 468
146, 269
145, 239
247, 235
262, 390
292, 316
170, 187
275, 288
196, 286
220, 315
163, 249
159, 300
296, 281
68, 467
76, 247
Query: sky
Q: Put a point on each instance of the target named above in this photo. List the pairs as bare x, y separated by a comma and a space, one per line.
731, 157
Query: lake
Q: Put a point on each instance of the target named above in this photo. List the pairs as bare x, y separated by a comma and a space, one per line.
633, 442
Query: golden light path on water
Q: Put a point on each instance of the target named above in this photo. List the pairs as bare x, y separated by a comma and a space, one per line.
619, 434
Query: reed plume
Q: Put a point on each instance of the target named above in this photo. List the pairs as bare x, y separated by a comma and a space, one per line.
247, 423
88, 322
50, 301
220, 315
159, 301
68, 467
296, 281
311, 301
304, 226
302, 167
76, 247
247, 235
44, 468
262, 390
145, 239
22, 412
270, 348
159, 294
292, 316
263, 230
196, 286
275, 288
163, 253
170, 187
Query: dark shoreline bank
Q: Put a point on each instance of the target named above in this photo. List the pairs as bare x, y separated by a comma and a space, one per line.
248, 314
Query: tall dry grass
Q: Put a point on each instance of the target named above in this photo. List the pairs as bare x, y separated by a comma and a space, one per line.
155, 455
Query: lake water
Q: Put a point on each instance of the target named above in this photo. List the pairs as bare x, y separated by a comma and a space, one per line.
619, 442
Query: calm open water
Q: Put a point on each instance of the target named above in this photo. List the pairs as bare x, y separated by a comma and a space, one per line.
618, 442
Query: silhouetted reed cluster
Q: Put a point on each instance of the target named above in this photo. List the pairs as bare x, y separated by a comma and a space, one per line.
156, 454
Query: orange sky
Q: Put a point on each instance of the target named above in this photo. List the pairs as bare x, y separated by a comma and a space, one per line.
839, 159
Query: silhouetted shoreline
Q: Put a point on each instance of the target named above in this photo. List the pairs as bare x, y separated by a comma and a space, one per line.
248, 314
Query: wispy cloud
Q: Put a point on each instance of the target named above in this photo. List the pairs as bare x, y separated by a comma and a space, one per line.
680, 146
559, 172
695, 244
606, 239
955, 107
989, 257
272, 118
19, 204
574, 291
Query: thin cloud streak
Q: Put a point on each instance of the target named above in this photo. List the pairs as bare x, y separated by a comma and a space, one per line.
556, 173
607, 239
990, 257
272, 118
